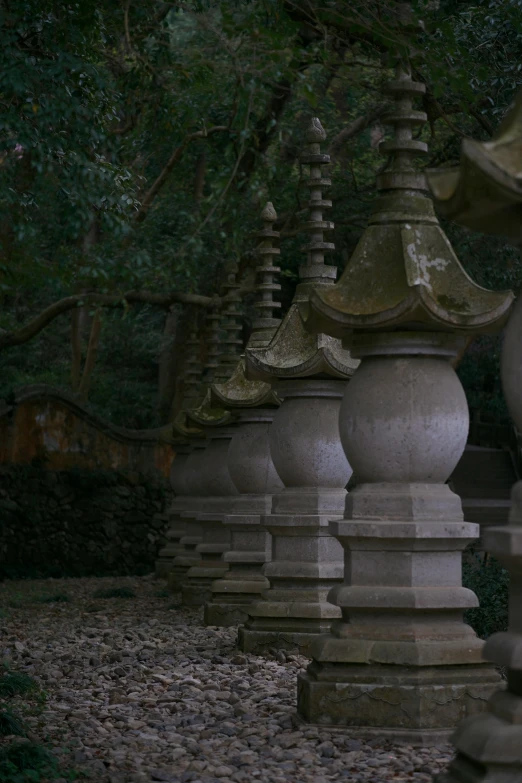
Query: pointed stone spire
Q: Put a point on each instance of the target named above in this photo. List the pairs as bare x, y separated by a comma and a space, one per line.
213, 328
237, 391
266, 323
293, 351
315, 271
231, 343
193, 375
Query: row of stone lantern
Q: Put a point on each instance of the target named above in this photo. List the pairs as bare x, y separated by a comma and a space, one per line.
390, 651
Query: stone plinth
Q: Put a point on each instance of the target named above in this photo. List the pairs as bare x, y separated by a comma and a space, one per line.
250, 548
185, 556
401, 662
489, 746
217, 490
306, 560
255, 477
173, 547
177, 526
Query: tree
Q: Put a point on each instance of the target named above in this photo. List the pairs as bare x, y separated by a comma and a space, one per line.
139, 141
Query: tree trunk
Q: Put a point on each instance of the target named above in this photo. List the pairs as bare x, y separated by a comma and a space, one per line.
168, 365
90, 359
80, 318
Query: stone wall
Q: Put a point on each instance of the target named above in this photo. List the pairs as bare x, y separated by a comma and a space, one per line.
46, 426
80, 522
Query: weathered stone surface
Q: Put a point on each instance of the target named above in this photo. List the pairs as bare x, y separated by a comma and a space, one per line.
253, 473
215, 491
306, 559
403, 534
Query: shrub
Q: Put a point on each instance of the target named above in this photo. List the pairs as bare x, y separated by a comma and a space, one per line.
16, 684
490, 582
10, 724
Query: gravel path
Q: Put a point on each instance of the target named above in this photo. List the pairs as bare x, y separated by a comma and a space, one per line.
140, 691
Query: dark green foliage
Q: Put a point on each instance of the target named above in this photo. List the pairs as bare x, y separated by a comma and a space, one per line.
10, 723
16, 684
490, 582
93, 110
115, 592
26, 761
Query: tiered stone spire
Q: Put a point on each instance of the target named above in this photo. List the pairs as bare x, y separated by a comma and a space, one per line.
293, 352
213, 320
402, 305
193, 376
232, 343
315, 271
266, 323
237, 391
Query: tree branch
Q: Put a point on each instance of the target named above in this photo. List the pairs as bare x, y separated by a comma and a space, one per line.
37, 324
357, 126
156, 186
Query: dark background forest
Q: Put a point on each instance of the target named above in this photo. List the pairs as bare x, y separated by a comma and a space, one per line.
139, 141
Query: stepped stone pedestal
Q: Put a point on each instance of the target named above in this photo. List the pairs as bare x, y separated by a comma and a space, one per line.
217, 489
186, 556
306, 560
401, 662
255, 477
177, 526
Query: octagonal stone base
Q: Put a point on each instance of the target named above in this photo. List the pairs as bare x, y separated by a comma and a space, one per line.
420, 706
290, 634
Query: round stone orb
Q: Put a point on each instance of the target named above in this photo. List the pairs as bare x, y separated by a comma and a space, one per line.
249, 461
192, 470
404, 419
511, 364
305, 444
214, 476
177, 473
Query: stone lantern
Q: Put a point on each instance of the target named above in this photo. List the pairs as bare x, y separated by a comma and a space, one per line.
309, 373
190, 473
215, 487
185, 437
249, 461
401, 662
485, 194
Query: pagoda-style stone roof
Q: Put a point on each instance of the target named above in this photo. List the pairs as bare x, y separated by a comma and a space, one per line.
404, 274
238, 391
484, 193
294, 352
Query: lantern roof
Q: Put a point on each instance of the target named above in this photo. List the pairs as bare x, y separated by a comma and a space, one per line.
404, 273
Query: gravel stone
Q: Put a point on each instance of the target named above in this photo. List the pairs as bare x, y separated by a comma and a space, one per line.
141, 691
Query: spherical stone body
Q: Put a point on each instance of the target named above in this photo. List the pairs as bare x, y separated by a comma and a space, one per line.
177, 474
511, 366
249, 461
404, 419
214, 476
192, 471
305, 443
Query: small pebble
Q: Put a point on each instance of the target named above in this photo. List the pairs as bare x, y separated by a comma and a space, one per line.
140, 691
